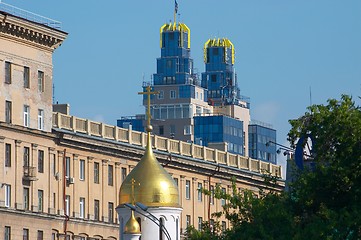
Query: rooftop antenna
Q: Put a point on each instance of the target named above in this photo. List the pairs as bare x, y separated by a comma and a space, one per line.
175, 11
310, 97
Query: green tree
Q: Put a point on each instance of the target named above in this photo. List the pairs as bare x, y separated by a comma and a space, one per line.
323, 202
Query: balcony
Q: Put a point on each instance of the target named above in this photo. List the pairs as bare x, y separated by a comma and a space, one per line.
29, 173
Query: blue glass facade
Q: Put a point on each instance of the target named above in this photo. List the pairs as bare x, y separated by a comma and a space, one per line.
175, 66
217, 129
220, 78
137, 124
258, 138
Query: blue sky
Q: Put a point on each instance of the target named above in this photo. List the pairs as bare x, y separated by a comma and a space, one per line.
283, 48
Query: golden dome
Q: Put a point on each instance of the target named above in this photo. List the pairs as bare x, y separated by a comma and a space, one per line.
153, 186
132, 226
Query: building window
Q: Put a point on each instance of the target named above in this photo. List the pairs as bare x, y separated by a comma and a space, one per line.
110, 212
172, 131
224, 226
8, 72
7, 233
188, 189
41, 81
223, 200
161, 94
7, 195
81, 207
40, 235
25, 234
172, 94
211, 196
200, 220
124, 173
67, 205
199, 192
161, 130
40, 200
40, 161
7, 155
110, 175
53, 236
96, 210
53, 163
41, 119
54, 200
211, 225
96, 172
188, 220
187, 130
26, 77
8, 112
26, 116
26, 198
26, 157
82, 169
67, 167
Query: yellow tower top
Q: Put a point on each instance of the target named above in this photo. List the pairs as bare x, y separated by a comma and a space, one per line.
219, 42
154, 185
181, 27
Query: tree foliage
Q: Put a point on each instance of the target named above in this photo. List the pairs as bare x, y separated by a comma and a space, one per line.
323, 202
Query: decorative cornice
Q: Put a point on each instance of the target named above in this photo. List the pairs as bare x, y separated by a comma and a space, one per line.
30, 32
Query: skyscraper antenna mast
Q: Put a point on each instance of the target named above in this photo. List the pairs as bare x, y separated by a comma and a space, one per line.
175, 11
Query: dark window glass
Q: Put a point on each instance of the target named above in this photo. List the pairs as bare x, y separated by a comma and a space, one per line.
7, 155
8, 72
26, 77
40, 161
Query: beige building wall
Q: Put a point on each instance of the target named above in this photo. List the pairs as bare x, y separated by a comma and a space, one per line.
113, 161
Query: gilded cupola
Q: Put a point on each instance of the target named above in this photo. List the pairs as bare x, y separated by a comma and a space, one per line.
149, 182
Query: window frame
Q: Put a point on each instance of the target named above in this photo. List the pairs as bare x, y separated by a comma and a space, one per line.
81, 207
40, 235
8, 72
25, 234
41, 76
110, 212
67, 205
67, 167
7, 195
40, 119
188, 189
8, 111
40, 200
96, 172
26, 200
26, 116
26, 157
7, 233
82, 169
199, 189
41, 161
110, 175
96, 209
26, 77
7, 155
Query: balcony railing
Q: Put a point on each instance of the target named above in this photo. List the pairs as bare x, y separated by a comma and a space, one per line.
29, 173
91, 128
